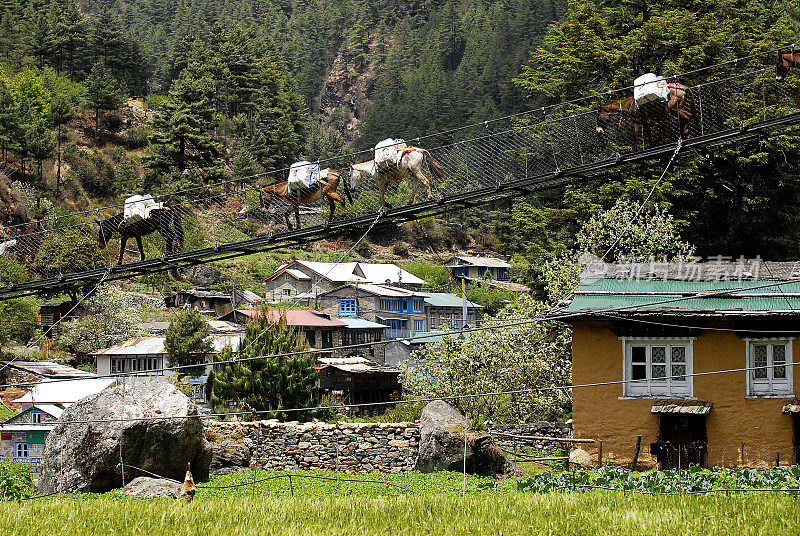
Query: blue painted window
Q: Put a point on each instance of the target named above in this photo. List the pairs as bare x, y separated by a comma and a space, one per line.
35, 417
347, 307
419, 325
418, 304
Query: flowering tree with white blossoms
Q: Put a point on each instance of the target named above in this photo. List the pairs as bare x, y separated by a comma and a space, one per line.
534, 358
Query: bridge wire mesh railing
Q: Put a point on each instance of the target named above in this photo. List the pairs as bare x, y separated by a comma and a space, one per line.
528, 151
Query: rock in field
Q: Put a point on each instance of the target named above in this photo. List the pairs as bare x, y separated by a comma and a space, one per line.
144, 486
82, 452
441, 446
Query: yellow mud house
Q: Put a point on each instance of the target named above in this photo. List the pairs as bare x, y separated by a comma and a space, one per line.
697, 359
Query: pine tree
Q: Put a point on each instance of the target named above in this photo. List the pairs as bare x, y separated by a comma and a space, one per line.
187, 343
181, 140
102, 93
271, 384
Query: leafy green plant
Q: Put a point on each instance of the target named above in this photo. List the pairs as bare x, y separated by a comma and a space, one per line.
16, 481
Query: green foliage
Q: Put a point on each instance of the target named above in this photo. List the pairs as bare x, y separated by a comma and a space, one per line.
110, 317
434, 274
188, 343
492, 298
751, 189
18, 319
694, 479
16, 480
66, 252
506, 359
270, 384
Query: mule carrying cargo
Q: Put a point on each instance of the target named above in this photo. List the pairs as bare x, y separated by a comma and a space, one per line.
139, 207
389, 152
650, 88
304, 175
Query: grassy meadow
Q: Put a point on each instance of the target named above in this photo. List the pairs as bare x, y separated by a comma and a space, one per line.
437, 507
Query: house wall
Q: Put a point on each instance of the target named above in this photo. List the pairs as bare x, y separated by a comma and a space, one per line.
275, 289
602, 413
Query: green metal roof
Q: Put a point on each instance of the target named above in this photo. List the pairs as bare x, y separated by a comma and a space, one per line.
443, 299
646, 295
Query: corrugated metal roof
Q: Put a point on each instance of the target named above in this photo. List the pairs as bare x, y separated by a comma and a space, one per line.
744, 269
48, 369
385, 290
682, 407
297, 274
360, 323
298, 318
382, 273
687, 287
52, 409
487, 262
64, 392
356, 364
656, 303
155, 345
443, 299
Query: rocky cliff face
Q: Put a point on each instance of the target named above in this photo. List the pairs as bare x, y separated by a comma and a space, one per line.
345, 94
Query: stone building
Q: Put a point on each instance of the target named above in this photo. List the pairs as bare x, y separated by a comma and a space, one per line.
307, 279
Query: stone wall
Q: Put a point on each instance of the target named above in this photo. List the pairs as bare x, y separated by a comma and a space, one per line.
539, 428
353, 447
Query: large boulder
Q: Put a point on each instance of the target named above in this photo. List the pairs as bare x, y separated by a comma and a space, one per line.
229, 456
82, 453
441, 447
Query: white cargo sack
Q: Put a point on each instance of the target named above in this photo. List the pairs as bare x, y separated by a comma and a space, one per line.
303, 174
139, 207
649, 88
7, 244
388, 152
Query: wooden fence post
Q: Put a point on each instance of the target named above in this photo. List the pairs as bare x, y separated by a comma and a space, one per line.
742, 454
636, 453
600, 454
778, 458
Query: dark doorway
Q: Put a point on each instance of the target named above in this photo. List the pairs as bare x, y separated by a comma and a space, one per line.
687, 436
796, 420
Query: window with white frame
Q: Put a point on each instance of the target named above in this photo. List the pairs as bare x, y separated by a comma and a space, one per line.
658, 367
769, 367
21, 450
35, 417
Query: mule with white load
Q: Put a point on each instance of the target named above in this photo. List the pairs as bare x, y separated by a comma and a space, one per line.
394, 162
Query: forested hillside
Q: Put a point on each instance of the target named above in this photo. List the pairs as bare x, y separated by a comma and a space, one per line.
426, 65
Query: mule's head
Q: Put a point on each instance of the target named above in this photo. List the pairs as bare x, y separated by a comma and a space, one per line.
357, 176
603, 119
782, 67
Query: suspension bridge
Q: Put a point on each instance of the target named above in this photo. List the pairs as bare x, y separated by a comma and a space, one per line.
541, 150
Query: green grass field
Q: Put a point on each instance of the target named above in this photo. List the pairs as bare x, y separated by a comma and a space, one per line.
562, 514
437, 507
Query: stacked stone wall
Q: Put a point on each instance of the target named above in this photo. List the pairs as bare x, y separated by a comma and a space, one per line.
353, 447
539, 429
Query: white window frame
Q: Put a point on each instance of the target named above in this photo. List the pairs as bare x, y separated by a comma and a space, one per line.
769, 387
649, 388
21, 449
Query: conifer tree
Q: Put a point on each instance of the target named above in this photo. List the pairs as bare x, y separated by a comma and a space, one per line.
270, 384
187, 343
102, 93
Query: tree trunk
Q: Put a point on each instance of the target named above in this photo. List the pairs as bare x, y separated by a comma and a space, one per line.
58, 168
96, 122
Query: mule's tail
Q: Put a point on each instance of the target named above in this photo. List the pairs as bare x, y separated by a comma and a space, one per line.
177, 228
433, 165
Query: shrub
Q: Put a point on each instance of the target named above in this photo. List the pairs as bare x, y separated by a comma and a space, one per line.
16, 481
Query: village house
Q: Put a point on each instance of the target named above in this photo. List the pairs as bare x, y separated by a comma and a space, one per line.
402, 311
472, 267
656, 337
307, 279
211, 301
17, 371
144, 358
358, 380
445, 312
22, 436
